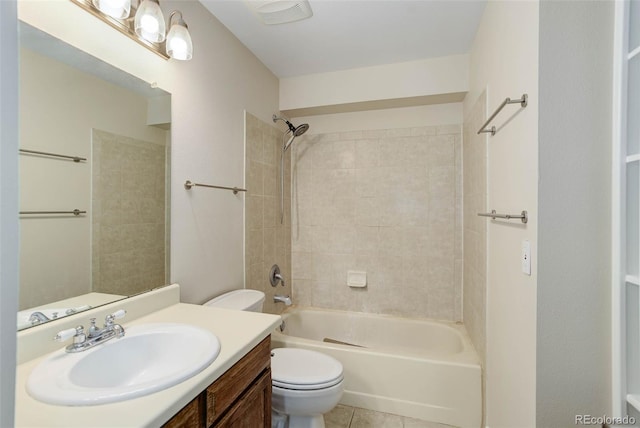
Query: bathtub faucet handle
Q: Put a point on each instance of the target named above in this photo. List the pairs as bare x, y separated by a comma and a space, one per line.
275, 277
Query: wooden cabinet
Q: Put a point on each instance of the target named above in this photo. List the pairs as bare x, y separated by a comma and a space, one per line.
191, 415
240, 398
253, 410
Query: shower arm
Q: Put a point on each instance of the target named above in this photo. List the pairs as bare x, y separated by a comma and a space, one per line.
289, 124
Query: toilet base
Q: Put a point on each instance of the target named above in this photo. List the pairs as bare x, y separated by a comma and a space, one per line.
279, 420
314, 421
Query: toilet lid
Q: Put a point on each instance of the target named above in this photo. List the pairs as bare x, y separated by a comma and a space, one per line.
303, 369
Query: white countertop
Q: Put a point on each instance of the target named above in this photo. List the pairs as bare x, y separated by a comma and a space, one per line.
237, 331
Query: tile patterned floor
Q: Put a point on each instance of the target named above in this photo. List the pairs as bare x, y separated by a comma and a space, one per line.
353, 417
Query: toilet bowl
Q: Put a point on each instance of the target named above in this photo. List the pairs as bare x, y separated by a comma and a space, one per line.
305, 384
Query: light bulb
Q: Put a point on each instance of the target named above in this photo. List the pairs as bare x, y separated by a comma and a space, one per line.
149, 24
118, 9
179, 44
149, 21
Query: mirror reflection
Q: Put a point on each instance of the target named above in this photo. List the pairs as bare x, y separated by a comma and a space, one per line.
73, 105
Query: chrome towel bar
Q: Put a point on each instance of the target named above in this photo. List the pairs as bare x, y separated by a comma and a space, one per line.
188, 185
523, 101
75, 212
55, 155
523, 216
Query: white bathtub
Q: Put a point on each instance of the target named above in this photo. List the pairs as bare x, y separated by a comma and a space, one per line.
417, 368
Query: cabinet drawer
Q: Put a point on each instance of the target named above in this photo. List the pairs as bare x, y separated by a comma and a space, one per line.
226, 390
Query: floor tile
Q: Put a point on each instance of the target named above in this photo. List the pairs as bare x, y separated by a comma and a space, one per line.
363, 418
339, 417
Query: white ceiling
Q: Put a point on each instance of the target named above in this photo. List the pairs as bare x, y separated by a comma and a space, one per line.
344, 34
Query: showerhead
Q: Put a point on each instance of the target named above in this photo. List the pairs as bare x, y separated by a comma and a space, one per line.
297, 131
301, 129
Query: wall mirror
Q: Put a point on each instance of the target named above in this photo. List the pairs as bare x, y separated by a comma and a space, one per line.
94, 174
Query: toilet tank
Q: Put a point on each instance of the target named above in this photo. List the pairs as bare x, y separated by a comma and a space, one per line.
242, 300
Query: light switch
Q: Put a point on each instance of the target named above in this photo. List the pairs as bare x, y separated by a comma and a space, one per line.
526, 257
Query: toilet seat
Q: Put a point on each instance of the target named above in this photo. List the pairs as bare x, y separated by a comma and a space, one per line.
301, 369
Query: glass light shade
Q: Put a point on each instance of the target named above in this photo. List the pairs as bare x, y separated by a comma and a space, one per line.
118, 9
179, 45
149, 22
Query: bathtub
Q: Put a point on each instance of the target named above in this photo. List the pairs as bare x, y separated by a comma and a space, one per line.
418, 368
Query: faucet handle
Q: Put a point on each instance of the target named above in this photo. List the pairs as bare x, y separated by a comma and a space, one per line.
68, 333
108, 321
119, 314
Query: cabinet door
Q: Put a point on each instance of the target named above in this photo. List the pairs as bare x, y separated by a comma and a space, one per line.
224, 392
191, 416
253, 409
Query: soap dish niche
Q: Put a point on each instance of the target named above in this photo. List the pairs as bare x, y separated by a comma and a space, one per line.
356, 279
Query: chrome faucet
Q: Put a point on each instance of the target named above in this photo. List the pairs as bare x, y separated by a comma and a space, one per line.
275, 277
95, 336
283, 299
37, 318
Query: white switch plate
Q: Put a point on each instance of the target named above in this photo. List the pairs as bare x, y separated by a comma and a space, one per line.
526, 257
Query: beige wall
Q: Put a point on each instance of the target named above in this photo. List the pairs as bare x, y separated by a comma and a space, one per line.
474, 149
503, 62
387, 202
209, 96
406, 117
574, 288
129, 213
59, 105
267, 241
429, 77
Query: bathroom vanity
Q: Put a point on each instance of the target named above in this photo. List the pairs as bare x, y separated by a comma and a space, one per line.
234, 390
240, 397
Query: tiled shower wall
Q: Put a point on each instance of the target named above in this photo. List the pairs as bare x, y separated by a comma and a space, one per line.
129, 214
387, 202
267, 241
475, 228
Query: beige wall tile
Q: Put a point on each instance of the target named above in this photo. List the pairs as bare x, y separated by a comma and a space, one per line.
388, 202
129, 221
268, 241
255, 179
474, 232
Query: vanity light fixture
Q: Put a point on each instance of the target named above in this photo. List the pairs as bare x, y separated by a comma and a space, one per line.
143, 21
118, 9
149, 21
179, 45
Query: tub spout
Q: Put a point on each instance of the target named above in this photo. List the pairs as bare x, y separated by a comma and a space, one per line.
284, 299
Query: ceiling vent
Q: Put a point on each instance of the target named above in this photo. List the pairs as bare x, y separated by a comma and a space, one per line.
273, 12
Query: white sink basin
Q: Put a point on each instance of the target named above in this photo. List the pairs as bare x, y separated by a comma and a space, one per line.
150, 358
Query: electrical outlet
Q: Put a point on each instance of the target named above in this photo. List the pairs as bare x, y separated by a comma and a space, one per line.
526, 257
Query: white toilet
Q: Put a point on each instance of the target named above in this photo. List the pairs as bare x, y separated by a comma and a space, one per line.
242, 300
305, 384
